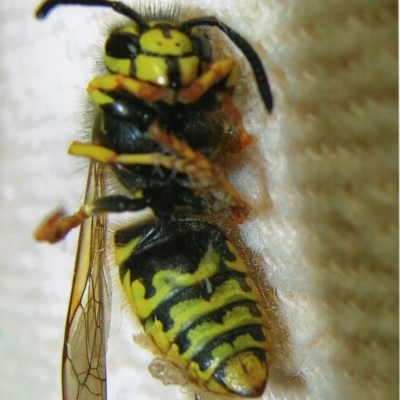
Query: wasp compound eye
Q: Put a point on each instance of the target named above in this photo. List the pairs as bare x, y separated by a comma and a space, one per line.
122, 45
201, 47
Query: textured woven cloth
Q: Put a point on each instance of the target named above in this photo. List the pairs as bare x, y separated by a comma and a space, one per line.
330, 155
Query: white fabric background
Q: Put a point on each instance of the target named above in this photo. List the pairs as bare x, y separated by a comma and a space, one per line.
322, 178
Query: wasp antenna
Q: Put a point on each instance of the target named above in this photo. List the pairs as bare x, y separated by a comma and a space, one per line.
247, 50
117, 6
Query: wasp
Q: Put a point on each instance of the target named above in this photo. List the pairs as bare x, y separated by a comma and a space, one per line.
165, 116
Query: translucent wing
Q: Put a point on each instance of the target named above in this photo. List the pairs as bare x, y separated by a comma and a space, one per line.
87, 325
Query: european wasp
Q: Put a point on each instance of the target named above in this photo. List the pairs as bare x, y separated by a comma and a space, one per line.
165, 115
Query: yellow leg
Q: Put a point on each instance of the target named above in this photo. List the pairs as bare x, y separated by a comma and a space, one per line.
202, 171
226, 67
110, 157
207, 179
142, 90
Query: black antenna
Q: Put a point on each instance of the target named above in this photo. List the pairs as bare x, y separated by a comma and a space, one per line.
117, 6
247, 50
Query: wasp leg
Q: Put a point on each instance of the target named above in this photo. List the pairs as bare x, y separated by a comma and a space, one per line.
206, 177
58, 224
225, 68
99, 87
110, 157
203, 171
241, 137
107, 156
160, 200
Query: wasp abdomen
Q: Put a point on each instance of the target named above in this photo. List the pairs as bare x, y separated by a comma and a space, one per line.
197, 302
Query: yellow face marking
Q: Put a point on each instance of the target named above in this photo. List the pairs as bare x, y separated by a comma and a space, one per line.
152, 69
188, 67
177, 44
118, 65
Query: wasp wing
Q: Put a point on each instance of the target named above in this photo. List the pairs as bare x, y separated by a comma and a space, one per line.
87, 325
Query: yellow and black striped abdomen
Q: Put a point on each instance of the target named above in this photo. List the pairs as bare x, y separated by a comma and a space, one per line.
197, 302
